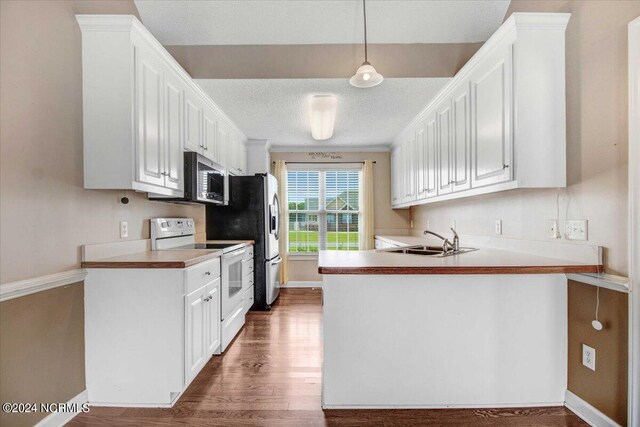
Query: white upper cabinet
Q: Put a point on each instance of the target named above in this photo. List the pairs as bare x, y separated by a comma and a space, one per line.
173, 132
141, 110
499, 124
492, 105
461, 139
431, 157
149, 116
443, 114
210, 135
193, 122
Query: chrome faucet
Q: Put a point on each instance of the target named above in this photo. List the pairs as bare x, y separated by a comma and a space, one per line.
446, 244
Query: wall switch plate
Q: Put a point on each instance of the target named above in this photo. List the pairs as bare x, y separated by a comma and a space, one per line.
551, 229
124, 229
453, 224
428, 225
575, 229
498, 226
589, 357
411, 223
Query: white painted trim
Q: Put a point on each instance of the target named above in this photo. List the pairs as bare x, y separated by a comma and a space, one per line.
42, 283
588, 413
634, 221
457, 405
312, 148
602, 280
302, 284
58, 419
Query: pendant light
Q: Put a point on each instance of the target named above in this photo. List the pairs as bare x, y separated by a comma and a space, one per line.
366, 76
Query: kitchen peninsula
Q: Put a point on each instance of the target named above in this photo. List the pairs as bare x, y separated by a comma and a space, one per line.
481, 329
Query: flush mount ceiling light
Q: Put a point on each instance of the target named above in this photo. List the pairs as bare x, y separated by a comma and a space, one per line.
322, 112
366, 76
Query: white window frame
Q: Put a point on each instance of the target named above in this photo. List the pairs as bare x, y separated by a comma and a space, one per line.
321, 211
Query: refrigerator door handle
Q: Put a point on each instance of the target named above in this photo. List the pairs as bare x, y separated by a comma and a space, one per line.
276, 261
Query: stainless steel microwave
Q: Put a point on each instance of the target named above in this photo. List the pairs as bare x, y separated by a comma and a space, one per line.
204, 182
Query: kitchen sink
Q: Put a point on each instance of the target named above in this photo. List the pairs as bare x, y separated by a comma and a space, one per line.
434, 251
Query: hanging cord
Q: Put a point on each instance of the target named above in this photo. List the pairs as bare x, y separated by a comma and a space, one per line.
597, 301
364, 9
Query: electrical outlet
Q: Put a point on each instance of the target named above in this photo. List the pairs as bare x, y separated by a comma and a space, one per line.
575, 229
551, 229
589, 357
411, 223
498, 226
453, 224
124, 229
428, 225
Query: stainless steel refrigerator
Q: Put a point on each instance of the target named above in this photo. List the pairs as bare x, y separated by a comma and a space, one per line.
253, 213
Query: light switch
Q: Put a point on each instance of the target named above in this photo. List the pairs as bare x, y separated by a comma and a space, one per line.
124, 229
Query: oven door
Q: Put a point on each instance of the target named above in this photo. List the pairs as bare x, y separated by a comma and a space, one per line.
231, 275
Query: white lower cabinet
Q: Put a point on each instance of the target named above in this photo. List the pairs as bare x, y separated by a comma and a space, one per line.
499, 124
149, 332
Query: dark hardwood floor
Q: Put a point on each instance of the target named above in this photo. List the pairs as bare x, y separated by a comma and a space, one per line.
270, 376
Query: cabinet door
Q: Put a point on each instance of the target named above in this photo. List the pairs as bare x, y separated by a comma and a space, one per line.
213, 317
222, 142
491, 110
209, 135
430, 157
461, 139
173, 132
445, 181
410, 169
195, 346
150, 151
243, 158
395, 178
192, 122
421, 165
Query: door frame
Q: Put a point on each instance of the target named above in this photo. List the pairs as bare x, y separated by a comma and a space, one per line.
634, 221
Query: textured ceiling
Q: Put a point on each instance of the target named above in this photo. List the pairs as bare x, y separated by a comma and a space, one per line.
277, 109
242, 22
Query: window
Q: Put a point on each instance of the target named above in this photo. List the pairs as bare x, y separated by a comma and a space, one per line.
324, 210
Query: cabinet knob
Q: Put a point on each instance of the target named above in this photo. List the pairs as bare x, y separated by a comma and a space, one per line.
207, 273
505, 166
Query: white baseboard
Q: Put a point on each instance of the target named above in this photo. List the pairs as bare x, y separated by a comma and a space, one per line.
588, 413
302, 285
449, 406
58, 419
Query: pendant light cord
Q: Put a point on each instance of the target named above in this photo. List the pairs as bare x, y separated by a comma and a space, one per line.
364, 9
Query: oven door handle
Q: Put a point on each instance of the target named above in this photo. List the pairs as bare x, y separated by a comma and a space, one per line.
277, 261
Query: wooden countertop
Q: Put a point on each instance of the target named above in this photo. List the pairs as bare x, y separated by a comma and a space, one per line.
482, 261
181, 258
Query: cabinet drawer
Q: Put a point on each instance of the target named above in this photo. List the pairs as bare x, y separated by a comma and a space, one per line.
249, 253
247, 267
201, 274
248, 297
